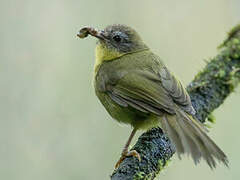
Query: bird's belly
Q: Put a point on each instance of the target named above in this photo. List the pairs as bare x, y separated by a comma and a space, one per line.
128, 115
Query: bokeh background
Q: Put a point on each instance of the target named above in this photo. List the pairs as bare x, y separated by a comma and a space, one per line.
53, 127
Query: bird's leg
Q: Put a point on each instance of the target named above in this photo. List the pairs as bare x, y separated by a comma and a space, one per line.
125, 152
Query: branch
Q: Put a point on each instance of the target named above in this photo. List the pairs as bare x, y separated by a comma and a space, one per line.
208, 91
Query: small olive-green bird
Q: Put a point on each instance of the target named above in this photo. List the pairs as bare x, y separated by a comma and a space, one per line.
136, 88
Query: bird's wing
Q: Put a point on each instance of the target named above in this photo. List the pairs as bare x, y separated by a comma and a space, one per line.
150, 92
142, 91
176, 90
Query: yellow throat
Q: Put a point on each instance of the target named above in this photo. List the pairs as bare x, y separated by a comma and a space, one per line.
102, 54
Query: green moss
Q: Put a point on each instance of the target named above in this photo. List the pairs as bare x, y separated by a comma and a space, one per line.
235, 55
142, 176
162, 165
139, 176
211, 118
234, 79
231, 34
235, 41
233, 47
221, 73
234, 31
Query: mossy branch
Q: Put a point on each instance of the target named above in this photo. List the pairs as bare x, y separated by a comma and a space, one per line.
208, 91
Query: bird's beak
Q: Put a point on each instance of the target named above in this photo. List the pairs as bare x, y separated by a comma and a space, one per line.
84, 32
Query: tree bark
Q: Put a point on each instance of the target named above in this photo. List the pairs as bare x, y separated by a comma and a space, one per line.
208, 91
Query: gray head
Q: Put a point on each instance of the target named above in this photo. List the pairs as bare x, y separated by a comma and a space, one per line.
119, 38
122, 38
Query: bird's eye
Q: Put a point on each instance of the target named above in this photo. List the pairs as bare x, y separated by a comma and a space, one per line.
117, 38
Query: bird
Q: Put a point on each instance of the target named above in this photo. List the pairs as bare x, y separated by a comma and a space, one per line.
137, 88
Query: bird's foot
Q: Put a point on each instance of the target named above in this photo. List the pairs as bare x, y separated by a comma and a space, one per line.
127, 154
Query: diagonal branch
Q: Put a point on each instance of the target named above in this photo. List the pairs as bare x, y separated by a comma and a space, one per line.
208, 91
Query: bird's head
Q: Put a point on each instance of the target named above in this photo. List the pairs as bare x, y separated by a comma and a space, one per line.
114, 41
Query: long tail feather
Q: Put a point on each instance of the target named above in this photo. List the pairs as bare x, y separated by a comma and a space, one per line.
189, 136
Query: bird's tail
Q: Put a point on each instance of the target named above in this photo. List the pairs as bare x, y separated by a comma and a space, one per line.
189, 136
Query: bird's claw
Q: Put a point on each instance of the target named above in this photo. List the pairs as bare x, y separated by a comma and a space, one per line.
133, 153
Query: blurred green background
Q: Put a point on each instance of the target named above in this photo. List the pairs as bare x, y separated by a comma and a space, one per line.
53, 127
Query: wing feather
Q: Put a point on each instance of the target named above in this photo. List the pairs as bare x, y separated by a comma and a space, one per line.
140, 91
